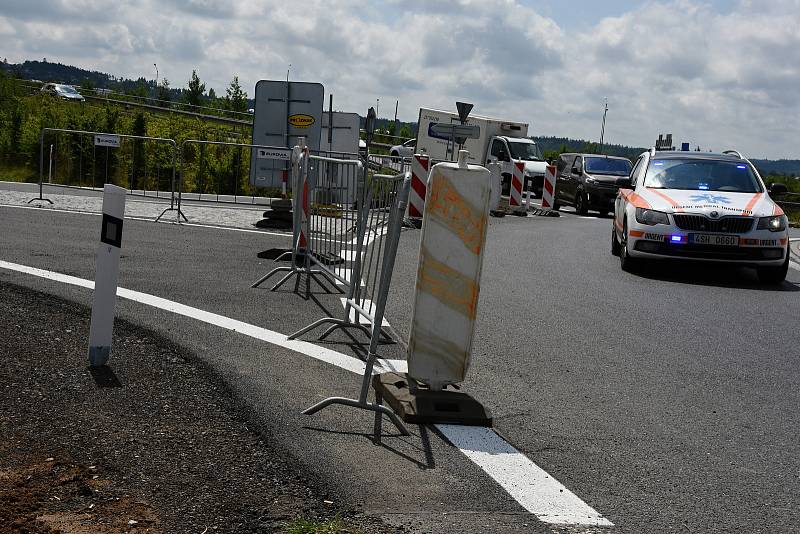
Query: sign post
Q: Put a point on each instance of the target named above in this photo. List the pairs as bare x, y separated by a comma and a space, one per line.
107, 272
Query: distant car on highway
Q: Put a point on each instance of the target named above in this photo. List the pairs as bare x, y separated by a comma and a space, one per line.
590, 181
701, 206
60, 90
406, 150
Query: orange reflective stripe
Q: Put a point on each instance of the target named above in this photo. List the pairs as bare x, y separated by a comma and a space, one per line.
665, 197
634, 198
748, 210
636, 233
783, 240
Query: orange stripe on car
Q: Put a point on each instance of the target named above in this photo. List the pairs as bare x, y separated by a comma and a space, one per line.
634, 198
748, 210
783, 240
668, 199
636, 233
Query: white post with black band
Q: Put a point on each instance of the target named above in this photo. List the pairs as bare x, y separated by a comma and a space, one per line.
107, 272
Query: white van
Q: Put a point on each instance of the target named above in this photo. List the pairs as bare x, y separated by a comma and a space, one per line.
500, 141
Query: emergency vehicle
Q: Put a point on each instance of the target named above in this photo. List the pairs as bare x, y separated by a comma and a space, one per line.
700, 206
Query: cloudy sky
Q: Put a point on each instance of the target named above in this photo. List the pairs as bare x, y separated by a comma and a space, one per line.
718, 73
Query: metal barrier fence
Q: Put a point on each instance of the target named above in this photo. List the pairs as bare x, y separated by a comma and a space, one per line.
381, 214
301, 250
336, 189
143, 165
790, 203
388, 164
375, 246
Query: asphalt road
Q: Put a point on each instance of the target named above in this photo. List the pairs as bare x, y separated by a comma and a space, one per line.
666, 400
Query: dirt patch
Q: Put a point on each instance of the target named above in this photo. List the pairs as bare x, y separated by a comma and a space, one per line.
154, 444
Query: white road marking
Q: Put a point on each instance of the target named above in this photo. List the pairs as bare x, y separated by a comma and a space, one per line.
794, 265
150, 219
323, 354
529, 484
521, 478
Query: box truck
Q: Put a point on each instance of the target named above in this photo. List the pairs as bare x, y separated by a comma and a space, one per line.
500, 141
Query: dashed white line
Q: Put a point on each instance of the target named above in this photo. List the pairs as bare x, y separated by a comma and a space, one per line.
520, 477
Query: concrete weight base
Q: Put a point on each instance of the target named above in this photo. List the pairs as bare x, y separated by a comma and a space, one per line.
416, 404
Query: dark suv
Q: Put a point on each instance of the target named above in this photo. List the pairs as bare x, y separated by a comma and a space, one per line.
590, 181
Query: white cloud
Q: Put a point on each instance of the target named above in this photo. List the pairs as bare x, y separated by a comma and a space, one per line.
716, 79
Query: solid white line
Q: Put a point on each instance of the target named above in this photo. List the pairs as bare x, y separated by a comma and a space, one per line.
338, 359
794, 265
794, 239
150, 219
527, 483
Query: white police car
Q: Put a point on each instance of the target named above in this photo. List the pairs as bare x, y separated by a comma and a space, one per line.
700, 206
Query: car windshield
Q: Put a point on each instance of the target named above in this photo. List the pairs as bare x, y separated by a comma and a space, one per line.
67, 89
525, 151
701, 175
614, 166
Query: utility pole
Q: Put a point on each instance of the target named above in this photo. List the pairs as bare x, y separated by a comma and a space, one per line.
603, 129
396, 129
155, 89
287, 72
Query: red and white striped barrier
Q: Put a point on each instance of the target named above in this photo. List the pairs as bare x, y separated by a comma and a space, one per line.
549, 187
517, 181
420, 165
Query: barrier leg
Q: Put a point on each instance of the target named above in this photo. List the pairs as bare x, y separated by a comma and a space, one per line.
379, 409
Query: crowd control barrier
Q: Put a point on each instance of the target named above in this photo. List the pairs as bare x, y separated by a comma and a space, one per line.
300, 252
335, 187
375, 244
143, 165
381, 214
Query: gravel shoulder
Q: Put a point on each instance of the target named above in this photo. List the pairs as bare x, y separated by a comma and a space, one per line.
155, 443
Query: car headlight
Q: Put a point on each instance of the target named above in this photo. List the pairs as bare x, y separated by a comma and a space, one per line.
651, 217
776, 223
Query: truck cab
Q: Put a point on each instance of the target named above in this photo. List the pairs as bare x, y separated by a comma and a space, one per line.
505, 151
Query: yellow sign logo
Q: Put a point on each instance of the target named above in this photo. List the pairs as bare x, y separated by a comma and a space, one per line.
301, 120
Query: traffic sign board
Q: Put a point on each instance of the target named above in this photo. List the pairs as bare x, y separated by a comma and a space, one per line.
106, 140
464, 131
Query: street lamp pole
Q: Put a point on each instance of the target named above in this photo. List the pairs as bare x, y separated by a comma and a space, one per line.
155, 89
603, 129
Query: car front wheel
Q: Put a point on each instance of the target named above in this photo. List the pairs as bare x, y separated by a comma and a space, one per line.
615, 246
580, 203
627, 263
773, 275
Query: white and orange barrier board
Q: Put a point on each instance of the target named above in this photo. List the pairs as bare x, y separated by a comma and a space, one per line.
449, 272
517, 184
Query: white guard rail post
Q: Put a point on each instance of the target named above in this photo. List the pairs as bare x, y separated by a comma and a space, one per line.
107, 273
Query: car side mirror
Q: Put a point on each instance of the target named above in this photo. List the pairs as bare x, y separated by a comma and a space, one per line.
777, 189
502, 156
624, 182
576, 170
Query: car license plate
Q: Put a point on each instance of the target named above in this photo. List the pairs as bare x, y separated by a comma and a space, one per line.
714, 239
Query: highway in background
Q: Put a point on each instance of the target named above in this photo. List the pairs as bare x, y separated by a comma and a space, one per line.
665, 400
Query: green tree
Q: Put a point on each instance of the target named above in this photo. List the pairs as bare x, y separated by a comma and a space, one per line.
194, 94
139, 165
235, 98
163, 94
